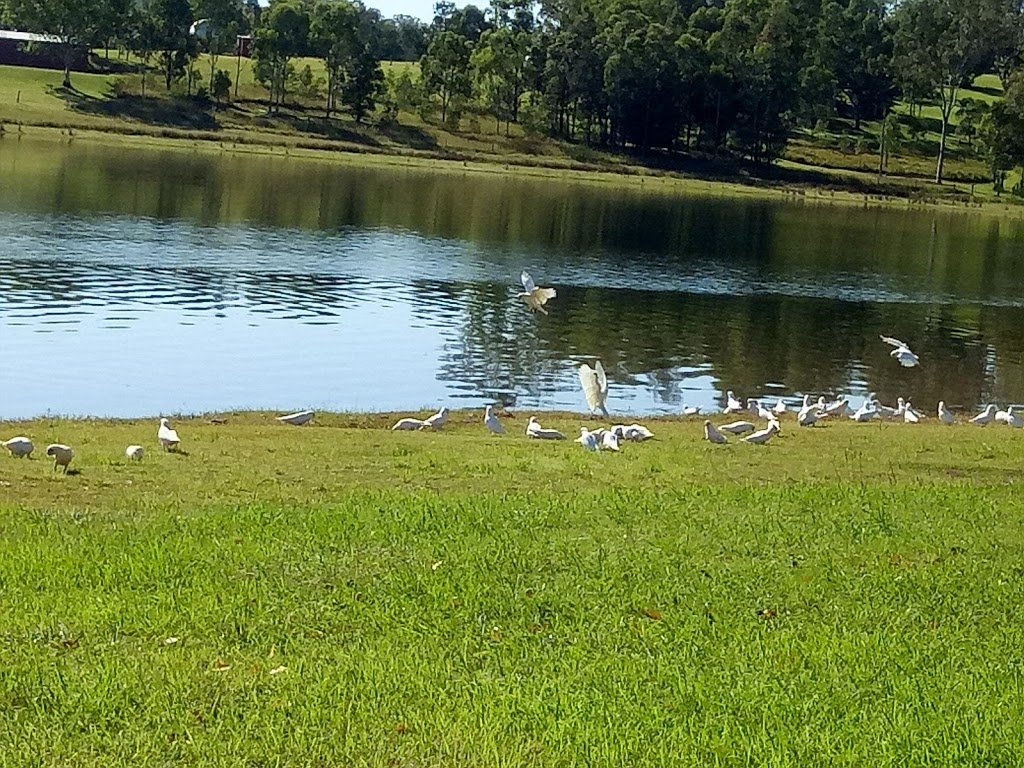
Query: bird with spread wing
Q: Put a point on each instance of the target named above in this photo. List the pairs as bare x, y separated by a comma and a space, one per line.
902, 352
535, 297
595, 387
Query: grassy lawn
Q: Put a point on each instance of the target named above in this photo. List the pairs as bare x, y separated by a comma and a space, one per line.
339, 594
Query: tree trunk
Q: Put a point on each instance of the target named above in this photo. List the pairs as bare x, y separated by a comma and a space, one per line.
948, 100
67, 62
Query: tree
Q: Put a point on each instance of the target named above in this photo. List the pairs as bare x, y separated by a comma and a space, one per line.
945, 44
857, 45
142, 39
223, 20
333, 37
445, 69
499, 64
174, 45
72, 22
282, 35
220, 86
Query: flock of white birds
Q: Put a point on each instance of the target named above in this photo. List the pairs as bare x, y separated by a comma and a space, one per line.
594, 383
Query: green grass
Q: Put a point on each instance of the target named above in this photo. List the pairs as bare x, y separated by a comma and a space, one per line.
846, 595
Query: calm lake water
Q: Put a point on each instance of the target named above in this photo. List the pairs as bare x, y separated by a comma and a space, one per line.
139, 281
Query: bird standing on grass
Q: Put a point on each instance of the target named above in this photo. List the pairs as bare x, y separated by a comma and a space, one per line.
62, 455
535, 297
764, 435
20, 447
134, 452
983, 418
408, 424
588, 440
712, 435
436, 421
492, 423
536, 431
168, 437
944, 414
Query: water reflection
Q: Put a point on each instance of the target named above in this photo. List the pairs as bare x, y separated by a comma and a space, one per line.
166, 281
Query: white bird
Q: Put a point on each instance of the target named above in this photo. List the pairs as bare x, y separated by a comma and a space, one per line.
691, 410
732, 404
436, 421
638, 433
492, 423
535, 430
619, 430
910, 415
738, 427
62, 455
1012, 419
610, 441
134, 452
535, 297
808, 415
837, 408
866, 412
168, 437
409, 423
712, 435
780, 408
587, 440
595, 387
19, 447
902, 352
297, 419
764, 435
944, 414
985, 416
764, 413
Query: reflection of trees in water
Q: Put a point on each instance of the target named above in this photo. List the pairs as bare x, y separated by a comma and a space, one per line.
656, 341
756, 345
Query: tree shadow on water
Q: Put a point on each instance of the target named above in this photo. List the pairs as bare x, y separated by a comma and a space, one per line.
171, 112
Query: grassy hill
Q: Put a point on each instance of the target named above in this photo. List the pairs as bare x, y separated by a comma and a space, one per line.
832, 156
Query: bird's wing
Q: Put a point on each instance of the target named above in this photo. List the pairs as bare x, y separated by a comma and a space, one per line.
591, 389
602, 379
528, 285
895, 342
544, 295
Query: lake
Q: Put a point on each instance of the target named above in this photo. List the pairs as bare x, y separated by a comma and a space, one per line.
137, 281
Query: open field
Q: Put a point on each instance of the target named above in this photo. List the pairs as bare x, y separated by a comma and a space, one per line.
339, 594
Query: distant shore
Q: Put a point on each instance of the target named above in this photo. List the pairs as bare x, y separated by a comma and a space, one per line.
653, 180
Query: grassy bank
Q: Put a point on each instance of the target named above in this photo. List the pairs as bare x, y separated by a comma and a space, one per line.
821, 163
339, 594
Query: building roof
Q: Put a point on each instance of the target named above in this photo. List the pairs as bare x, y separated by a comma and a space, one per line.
27, 37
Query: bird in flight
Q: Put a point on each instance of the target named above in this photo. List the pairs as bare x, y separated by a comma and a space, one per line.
535, 297
595, 387
902, 352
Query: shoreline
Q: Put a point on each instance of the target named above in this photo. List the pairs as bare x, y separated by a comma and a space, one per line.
636, 177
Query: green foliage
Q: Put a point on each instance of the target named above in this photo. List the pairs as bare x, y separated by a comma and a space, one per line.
445, 70
220, 86
283, 34
174, 46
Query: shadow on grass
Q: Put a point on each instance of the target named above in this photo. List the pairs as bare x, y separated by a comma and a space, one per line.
172, 112
409, 136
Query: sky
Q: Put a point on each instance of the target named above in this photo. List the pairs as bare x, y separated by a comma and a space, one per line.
421, 9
